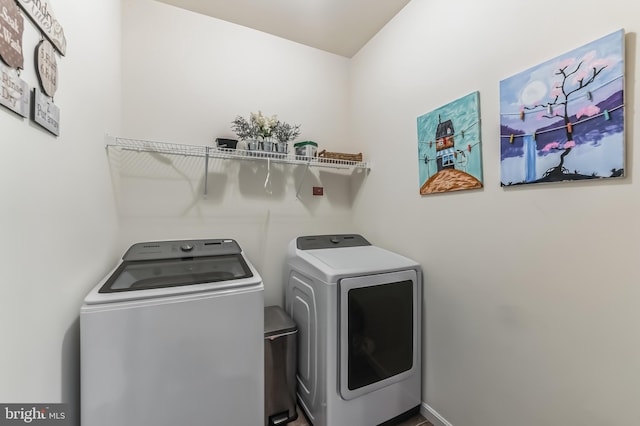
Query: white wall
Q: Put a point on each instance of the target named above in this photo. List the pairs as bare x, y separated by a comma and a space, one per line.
57, 221
533, 321
186, 77
531, 297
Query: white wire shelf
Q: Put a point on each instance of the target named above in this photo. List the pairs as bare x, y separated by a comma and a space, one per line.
140, 145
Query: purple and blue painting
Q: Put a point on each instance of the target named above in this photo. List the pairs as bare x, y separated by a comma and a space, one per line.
563, 120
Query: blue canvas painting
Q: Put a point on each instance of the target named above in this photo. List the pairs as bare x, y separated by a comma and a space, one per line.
563, 120
449, 148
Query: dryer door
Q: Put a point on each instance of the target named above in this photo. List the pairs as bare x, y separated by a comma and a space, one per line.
378, 329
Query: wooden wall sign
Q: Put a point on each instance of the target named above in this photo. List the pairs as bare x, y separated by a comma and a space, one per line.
14, 92
41, 14
47, 68
45, 112
11, 28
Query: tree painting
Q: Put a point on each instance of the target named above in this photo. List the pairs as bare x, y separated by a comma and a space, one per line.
449, 149
563, 120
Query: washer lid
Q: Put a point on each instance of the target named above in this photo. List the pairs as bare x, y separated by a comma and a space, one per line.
162, 273
175, 269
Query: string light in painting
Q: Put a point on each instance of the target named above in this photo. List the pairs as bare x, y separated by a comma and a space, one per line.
461, 134
569, 126
588, 95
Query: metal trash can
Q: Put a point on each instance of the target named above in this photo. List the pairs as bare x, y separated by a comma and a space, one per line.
280, 357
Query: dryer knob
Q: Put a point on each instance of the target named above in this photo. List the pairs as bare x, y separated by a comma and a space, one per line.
186, 247
335, 240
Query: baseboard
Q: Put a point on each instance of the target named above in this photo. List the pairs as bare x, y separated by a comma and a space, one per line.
433, 416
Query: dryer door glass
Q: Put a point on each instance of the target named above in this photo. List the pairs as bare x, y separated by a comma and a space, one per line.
378, 331
142, 275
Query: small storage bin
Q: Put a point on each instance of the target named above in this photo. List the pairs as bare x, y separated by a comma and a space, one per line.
306, 148
226, 143
280, 358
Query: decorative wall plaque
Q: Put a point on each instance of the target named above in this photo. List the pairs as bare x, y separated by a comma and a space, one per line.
47, 68
14, 92
41, 14
45, 112
11, 28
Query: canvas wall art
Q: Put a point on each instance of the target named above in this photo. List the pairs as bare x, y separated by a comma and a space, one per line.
449, 147
563, 120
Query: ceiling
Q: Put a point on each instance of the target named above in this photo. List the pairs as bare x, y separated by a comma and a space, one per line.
337, 26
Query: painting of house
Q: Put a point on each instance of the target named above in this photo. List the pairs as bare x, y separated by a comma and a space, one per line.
449, 148
563, 120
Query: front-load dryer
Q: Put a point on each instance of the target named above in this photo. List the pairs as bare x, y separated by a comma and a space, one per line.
358, 311
174, 336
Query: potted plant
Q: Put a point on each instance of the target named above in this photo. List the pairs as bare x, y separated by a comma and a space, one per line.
264, 127
261, 130
284, 132
246, 131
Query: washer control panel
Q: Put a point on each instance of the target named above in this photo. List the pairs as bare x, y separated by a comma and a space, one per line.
155, 250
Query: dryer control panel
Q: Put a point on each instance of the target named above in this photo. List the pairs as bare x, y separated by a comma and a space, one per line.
315, 242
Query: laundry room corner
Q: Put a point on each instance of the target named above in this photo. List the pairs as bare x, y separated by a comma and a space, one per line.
173, 96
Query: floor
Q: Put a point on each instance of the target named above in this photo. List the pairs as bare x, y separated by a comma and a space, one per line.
418, 420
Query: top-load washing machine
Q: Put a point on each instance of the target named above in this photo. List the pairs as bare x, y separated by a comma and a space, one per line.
358, 312
174, 335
